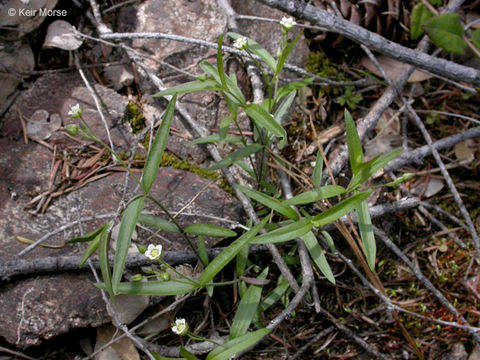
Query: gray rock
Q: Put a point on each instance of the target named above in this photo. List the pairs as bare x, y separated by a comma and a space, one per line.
57, 93
46, 306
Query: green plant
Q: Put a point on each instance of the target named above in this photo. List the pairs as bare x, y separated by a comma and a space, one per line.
286, 223
445, 31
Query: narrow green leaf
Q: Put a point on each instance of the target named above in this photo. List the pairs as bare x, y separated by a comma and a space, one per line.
221, 71
104, 264
158, 146
286, 53
236, 156
224, 126
366, 233
311, 196
192, 86
366, 170
330, 242
215, 138
87, 237
129, 221
420, 14
355, 151
476, 38
270, 202
285, 233
263, 119
241, 261
284, 107
202, 250
237, 345
339, 210
318, 256
446, 32
255, 48
317, 171
209, 230
187, 354
222, 259
274, 295
291, 87
211, 71
247, 308
157, 223
156, 288
93, 246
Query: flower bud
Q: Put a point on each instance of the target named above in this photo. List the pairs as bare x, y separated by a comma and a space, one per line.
72, 129
136, 278
165, 276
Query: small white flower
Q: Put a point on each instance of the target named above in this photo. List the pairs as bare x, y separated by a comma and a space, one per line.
75, 111
240, 43
153, 251
287, 23
180, 327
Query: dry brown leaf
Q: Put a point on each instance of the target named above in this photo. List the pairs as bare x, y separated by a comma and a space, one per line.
464, 151
393, 69
123, 349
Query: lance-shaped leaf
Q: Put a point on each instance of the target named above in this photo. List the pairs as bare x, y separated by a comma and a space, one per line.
284, 107
274, 295
158, 223
93, 246
291, 87
247, 308
215, 138
237, 345
285, 53
355, 151
285, 233
366, 170
103, 259
255, 48
158, 146
87, 237
366, 233
311, 196
339, 210
446, 32
221, 71
192, 86
317, 171
420, 14
222, 259
156, 288
127, 226
209, 230
318, 256
270, 202
236, 156
263, 119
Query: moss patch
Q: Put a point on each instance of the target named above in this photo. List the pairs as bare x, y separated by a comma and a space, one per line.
135, 118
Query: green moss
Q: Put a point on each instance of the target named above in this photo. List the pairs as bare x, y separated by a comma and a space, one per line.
319, 64
135, 118
170, 160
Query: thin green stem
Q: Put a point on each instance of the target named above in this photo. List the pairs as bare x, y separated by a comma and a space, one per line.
182, 232
177, 272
